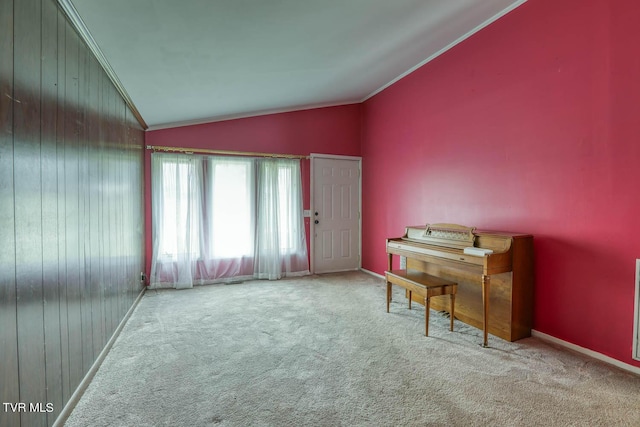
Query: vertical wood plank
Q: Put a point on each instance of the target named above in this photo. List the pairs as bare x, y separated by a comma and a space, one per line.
9, 387
102, 207
62, 208
106, 206
28, 208
131, 242
122, 184
72, 255
50, 232
83, 207
113, 222
115, 214
95, 223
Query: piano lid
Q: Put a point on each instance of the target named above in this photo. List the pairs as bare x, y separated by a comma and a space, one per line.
447, 235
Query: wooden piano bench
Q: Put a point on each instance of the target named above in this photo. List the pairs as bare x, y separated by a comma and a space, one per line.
424, 285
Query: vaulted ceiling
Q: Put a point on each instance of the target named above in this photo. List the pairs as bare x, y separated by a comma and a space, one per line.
194, 61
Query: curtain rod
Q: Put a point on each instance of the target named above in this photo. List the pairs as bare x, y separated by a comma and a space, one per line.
224, 152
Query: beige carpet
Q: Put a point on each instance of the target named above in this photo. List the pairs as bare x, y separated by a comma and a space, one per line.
322, 351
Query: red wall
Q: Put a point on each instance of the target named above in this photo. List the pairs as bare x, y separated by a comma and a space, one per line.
332, 130
531, 125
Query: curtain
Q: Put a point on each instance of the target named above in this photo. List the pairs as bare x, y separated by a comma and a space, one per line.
280, 236
225, 218
176, 206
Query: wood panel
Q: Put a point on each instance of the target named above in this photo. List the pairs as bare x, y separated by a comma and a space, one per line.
9, 386
120, 165
50, 232
104, 195
70, 210
469, 297
100, 189
95, 223
28, 207
61, 106
112, 302
523, 287
83, 208
71, 201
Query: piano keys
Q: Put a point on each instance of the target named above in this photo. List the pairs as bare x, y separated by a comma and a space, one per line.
495, 289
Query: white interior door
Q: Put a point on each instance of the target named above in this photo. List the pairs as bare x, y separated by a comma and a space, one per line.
335, 217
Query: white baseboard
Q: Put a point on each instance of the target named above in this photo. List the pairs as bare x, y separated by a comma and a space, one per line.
364, 270
554, 340
77, 394
586, 351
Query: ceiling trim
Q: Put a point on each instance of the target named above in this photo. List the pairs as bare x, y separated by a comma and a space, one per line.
76, 21
247, 115
446, 48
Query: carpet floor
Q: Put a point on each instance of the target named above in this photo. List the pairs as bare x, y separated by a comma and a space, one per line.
322, 351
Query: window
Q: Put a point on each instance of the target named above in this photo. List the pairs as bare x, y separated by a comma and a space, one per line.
231, 207
288, 205
179, 210
219, 217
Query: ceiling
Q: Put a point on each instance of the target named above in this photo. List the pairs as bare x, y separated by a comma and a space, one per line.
195, 61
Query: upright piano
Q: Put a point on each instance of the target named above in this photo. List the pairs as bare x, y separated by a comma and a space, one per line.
493, 270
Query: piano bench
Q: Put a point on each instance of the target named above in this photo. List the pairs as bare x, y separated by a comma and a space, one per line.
424, 285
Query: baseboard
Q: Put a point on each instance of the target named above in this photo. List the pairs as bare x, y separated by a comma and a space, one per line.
587, 352
364, 270
554, 340
77, 394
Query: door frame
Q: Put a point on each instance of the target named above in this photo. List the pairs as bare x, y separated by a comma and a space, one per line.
636, 316
312, 226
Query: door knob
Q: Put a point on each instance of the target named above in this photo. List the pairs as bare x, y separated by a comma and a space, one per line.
316, 222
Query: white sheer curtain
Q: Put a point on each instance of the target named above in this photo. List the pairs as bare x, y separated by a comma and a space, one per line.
280, 237
224, 218
176, 206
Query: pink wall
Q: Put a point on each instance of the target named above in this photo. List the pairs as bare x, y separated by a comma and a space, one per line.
531, 125
332, 130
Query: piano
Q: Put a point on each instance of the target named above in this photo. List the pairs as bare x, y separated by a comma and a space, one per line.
493, 270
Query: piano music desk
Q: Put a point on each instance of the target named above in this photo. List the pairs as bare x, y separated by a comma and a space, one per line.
423, 285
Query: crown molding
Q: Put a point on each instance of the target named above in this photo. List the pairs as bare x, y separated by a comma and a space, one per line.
247, 115
446, 48
76, 21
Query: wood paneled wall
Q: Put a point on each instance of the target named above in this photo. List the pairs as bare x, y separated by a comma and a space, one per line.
71, 211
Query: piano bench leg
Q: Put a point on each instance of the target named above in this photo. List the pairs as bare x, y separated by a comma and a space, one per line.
451, 313
388, 295
426, 316
410, 294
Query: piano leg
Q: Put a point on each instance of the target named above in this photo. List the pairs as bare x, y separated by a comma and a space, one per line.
485, 308
426, 316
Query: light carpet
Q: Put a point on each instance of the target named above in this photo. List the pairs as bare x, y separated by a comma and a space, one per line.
322, 351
